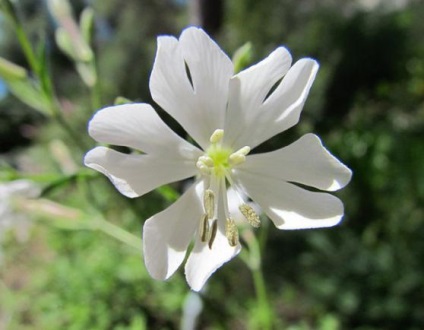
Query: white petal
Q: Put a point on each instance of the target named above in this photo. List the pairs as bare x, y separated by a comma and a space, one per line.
281, 110
203, 261
289, 206
210, 69
200, 108
138, 126
134, 175
248, 90
305, 161
167, 234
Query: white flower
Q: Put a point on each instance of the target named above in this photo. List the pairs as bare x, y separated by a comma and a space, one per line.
227, 115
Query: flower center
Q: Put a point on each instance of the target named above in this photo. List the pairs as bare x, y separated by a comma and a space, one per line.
216, 166
220, 158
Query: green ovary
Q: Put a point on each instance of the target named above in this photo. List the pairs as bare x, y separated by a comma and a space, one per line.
220, 156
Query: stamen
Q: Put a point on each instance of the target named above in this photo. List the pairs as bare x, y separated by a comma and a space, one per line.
236, 159
250, 215
231, 232
239, 156
206, 160
213, 233
209, 203
217, 136
203, 168
204, 228
243, 151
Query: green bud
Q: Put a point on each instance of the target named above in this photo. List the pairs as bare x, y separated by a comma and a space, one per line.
87, 73
73, 46
64, 42
242, 57
87, 24
122, 100
60, 9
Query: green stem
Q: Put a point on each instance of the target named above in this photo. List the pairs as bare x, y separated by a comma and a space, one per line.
265, 312
58, 116
26, 47
120, 234
253, 261
96, 94
9, 9
47, 87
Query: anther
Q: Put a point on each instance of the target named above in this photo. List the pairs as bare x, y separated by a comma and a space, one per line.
250, 215
239, 156
217, 136
243, 151
236, 159
203, 168
204, 228
231, 232
206, 160
209, 203
213, 233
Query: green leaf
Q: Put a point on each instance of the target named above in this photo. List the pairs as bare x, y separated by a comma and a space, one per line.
29, 93
43, 69
11, 71
7, 7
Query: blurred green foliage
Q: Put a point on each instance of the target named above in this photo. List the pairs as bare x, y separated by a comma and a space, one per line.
367, 104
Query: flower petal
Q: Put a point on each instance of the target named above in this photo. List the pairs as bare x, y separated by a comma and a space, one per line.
281, 110
167, 234
204, 261
289, 206
210, 70
138, 126
134, 175
248, 90
197, 102
305, 161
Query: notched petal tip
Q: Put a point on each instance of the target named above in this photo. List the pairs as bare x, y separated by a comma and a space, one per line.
281, 52
192, 31
294, 220
204, 260
90, 160
310, 63
166, 40
167, 234
341, 173
290, 206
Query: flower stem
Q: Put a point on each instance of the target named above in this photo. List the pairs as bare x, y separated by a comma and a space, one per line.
10, 11
96, 91
58, 116
264, 314
39, 71
264, 310
118, 233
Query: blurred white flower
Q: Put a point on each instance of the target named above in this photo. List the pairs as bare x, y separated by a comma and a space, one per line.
226, 115
10, 216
